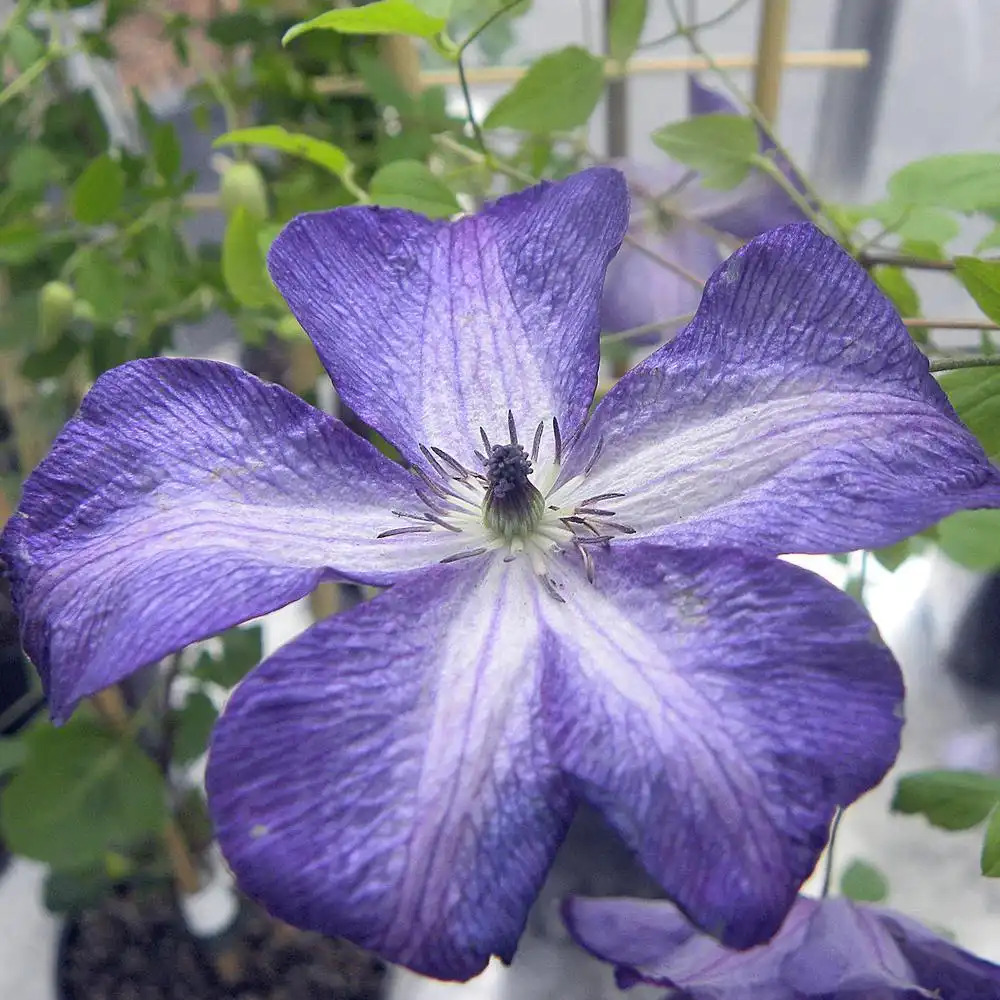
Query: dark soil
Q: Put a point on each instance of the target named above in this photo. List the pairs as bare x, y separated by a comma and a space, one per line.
137, 948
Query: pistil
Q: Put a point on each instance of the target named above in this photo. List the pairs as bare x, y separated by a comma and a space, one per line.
513, 505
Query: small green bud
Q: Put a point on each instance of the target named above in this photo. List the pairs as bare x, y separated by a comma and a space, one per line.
56, 301
243, 184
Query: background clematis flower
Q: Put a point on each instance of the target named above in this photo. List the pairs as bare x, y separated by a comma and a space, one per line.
827, 949
579, 609
639, 290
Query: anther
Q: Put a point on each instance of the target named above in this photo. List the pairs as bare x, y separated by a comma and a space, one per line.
426, 452
412, 530
623, 528
550, 588
486, 440
511, 428
588, 563
444, 523
558, 440
460, 470
538, 440
595, 456
600, 497
463, 555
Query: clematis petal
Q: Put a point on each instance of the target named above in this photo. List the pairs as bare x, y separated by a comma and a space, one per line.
847, 951
640, 290
941, 968
704, 100
717, 707
433, 329
384, 778
185, 497
652, 942
793, 414
829, 949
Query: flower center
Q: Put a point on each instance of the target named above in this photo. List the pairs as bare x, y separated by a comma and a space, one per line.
500, 508
512, 506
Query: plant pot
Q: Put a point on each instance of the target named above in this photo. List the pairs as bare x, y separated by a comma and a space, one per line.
137, 946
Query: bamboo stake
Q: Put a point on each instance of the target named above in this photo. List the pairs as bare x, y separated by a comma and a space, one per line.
771, 43
500, 75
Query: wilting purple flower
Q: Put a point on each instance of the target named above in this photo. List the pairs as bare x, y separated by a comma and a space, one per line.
639, 290
830, 949
580, 609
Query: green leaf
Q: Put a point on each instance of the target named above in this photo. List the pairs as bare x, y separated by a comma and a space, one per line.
81, 792
952, 800
975, 394
99, 281
863, 883
991, 241
194, 726
32, 167
559, 92
51, 361
12, 754
323, 154
166, 151
411, 184
239, 27
243, 268
895, 284
982, 281
971, 538
925, 223
24, 46
98, 192
241, 652
891, 557
20, 241
963, 182
989, 860
721, 147
628, 17
70, 891
928, 225
384, 17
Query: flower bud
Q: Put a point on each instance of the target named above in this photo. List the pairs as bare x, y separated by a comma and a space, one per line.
56, 302
243, 184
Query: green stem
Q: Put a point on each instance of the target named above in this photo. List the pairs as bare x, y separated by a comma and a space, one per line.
710, 23
637, 331
495, 16
24, 80
953, 364
759, 119
769, 167
470, 113
669, 265
463, 81
937, 323
889, 258
483, 159
828, 872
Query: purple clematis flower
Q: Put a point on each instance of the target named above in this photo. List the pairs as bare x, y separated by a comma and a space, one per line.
639, 290
829, 949
580, 608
